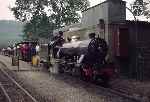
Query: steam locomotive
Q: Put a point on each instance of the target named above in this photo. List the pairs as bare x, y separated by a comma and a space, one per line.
86, 59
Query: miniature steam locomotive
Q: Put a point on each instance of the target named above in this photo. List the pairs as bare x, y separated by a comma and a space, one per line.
85, 59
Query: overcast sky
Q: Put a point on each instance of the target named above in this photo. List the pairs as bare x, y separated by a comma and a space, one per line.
6, 14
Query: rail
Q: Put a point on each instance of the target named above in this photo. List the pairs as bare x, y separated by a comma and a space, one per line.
17, 84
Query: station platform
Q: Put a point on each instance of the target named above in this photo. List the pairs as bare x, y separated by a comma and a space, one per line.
23, 66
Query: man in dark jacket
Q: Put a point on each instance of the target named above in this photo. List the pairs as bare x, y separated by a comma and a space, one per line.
97, 50
58, 41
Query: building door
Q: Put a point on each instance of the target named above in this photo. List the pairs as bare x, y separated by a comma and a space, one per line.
123, 42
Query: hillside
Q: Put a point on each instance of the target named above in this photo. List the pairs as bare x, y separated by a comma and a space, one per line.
10, 32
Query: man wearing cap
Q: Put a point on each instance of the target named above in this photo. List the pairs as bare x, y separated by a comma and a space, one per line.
91, 53
59, 41
97, 50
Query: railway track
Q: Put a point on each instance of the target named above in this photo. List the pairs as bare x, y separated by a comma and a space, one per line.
11, 91
15, 95
122, 93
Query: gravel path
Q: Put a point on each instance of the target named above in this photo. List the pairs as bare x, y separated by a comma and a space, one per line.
64, 88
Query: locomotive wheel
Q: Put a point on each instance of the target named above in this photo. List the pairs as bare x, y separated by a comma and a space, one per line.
61, 68
105, 81
101, 79
83, 76
73, 72
95, 79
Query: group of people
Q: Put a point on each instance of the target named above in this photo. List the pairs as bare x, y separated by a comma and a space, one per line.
97, 48
9, 51
27, 51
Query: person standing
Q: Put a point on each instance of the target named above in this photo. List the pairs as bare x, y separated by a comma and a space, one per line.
9, 50
33, 50
90, 56
59, 41
37, 49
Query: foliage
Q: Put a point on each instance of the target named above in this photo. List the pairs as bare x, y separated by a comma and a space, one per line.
140, 7
38, 26
146, 9
65, 11
59, 13
24, 10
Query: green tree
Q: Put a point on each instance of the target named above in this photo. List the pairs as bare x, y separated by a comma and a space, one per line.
38, 26
65, 11
24, 10
61, 12
140, 7
146, 9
